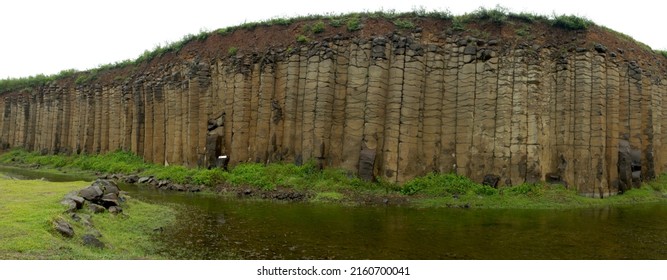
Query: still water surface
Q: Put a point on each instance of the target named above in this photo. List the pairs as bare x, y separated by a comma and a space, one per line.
210, 227
214, 227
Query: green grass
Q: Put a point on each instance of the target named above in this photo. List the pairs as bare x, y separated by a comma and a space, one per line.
302, 39
306, 177
318, 27
404, 24
29, 206
329, 184
449, 190
571, 22
328, 197
231, 51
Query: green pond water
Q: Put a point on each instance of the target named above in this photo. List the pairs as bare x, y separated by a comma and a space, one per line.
211, 227
216, 227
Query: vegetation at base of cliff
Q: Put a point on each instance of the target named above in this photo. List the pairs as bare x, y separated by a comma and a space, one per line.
29, 207
450, 190
267, 177
352, 22
336, 185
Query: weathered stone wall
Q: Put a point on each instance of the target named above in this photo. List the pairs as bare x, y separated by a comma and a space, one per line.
394, 106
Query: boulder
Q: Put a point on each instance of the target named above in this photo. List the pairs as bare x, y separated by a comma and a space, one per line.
91, 193
143, 180
94, 232
110, 199
193, 188
78, 200
63, 227
107, 186
71, 205
115, 210
162, 184
75, 217
624, 166
131, 179
491, 180
73, 197
86, 220
367, 164
95, 208
178, 187
92, 241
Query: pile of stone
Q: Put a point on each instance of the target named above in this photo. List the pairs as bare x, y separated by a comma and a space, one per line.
99, 197
152, 181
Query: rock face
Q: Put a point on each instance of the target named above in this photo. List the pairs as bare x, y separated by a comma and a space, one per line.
63, 227
394, 105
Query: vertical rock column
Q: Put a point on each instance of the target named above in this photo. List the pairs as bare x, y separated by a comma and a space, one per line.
564, 125
289, 109
75, 121
159, 124
277, 106
4, 121
374, 113
519, 119
582, 123
324, 104
240, 118
647, 129
433, 107
655, 137
308, 107
486, 90
662, 119
253, 92
392, 131
226, 95
448, 127
266, 87
149, 127
546, 119
355, 101
612, 126
410, 160
339, 103
465, 107
636, 118
598, 146
300, 101
537, 122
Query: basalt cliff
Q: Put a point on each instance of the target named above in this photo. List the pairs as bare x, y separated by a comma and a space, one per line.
510, 102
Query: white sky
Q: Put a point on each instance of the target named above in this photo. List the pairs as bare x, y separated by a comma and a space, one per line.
41, 36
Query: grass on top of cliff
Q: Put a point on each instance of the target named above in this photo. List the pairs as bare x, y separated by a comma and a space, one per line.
29, 206
352, 21
336, 185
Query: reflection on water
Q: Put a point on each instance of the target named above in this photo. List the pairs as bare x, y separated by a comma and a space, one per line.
211, 227
31, 174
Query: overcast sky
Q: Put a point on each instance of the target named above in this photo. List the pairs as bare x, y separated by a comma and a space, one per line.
40, 36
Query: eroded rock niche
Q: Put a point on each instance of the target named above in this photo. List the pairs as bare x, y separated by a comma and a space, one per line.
392, 106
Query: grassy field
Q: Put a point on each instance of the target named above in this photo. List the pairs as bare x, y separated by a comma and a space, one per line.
338, 186
28, 208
